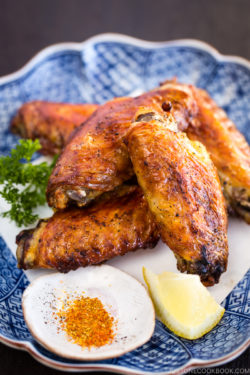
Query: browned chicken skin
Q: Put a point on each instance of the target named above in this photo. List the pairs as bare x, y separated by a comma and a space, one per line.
228, 149
183, 191
177, 177
83, 236
51, 123
96, 159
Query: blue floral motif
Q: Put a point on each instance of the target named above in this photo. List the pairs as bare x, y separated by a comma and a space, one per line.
95, 73
164, 352
12, 284
231, 332
238, 300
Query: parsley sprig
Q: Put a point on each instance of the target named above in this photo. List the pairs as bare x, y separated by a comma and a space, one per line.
23, 184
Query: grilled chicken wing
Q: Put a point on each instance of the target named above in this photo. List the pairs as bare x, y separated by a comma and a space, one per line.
96, 159
80, 237
183, 191
228, 149
51, 123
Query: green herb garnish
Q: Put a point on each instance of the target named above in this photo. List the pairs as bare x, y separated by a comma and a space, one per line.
23, 183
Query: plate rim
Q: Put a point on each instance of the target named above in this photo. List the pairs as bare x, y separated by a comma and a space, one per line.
190, 365
78, 46
116, 37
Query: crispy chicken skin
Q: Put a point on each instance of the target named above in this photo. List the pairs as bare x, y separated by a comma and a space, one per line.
183, 191
96, 159
51, 123
203, 120
228, 149
80, 237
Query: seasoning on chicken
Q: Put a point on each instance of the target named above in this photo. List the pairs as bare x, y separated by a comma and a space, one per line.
84, 236
183, 191
226, 145
228, 149
194, 111
96, 159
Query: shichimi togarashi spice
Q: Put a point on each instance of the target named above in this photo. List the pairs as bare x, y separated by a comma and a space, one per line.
86, 322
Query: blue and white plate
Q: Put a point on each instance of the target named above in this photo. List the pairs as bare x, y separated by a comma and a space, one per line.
95, 71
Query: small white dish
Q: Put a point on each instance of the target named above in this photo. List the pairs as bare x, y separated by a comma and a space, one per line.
122, 296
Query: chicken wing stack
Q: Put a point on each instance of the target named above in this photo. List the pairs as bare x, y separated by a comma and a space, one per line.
96, 159
52, 124
183, 200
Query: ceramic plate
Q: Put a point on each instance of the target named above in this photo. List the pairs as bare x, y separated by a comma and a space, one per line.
95, 71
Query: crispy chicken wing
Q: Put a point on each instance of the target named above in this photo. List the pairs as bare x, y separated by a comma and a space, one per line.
183, 191
84, 236
96, 159
228, 149
51, 123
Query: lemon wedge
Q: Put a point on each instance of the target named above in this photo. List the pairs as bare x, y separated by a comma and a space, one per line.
183, 304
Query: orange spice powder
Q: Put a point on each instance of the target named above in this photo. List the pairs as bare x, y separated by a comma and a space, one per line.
86, 322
